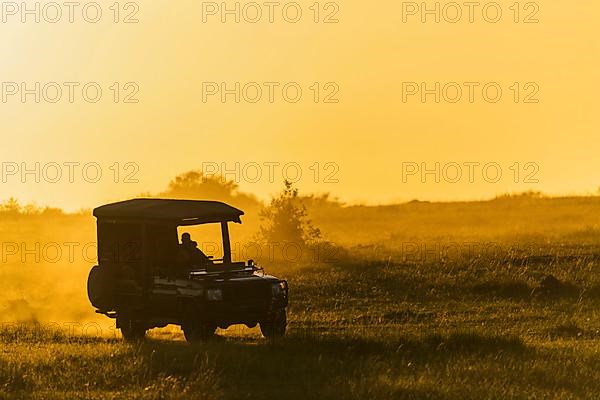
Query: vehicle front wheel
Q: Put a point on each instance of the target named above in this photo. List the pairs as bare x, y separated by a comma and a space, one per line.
275, 325
198, 331
132, 331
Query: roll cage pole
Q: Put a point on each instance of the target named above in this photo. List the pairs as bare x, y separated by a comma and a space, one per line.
226, 243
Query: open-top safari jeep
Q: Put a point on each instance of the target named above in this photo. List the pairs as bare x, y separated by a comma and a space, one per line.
143, 281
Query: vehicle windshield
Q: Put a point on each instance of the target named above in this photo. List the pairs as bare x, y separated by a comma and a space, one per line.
201, 244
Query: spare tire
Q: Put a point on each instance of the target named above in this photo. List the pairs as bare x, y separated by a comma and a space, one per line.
101, 288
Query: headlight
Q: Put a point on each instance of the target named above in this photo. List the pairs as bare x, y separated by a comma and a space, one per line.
214, 294
279, 289
275, 289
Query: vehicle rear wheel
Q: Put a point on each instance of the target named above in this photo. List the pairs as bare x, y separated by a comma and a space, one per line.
132, 331
275, 325
198, 331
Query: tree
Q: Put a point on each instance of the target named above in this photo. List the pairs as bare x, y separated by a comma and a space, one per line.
196, 185
11, 207
286, 219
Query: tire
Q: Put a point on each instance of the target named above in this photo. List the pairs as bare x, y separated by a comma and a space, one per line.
132, 331
275, 325
198, 331
100, 288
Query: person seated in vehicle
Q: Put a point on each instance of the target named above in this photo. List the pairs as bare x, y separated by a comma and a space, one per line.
190, 255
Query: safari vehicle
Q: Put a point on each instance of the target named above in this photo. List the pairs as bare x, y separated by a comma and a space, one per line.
141, 281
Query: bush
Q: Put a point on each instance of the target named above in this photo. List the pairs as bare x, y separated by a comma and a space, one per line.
286, 220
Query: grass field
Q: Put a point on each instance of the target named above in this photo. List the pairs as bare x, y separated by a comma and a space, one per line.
399, 312
461, 328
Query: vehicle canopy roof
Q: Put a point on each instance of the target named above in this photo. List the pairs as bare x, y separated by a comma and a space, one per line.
180, 212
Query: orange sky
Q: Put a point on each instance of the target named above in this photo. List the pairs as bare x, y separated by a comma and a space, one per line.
367, 136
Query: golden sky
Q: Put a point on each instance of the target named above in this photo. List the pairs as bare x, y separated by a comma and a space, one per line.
365, 139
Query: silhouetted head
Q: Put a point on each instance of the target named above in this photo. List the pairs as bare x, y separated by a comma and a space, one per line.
186, 238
